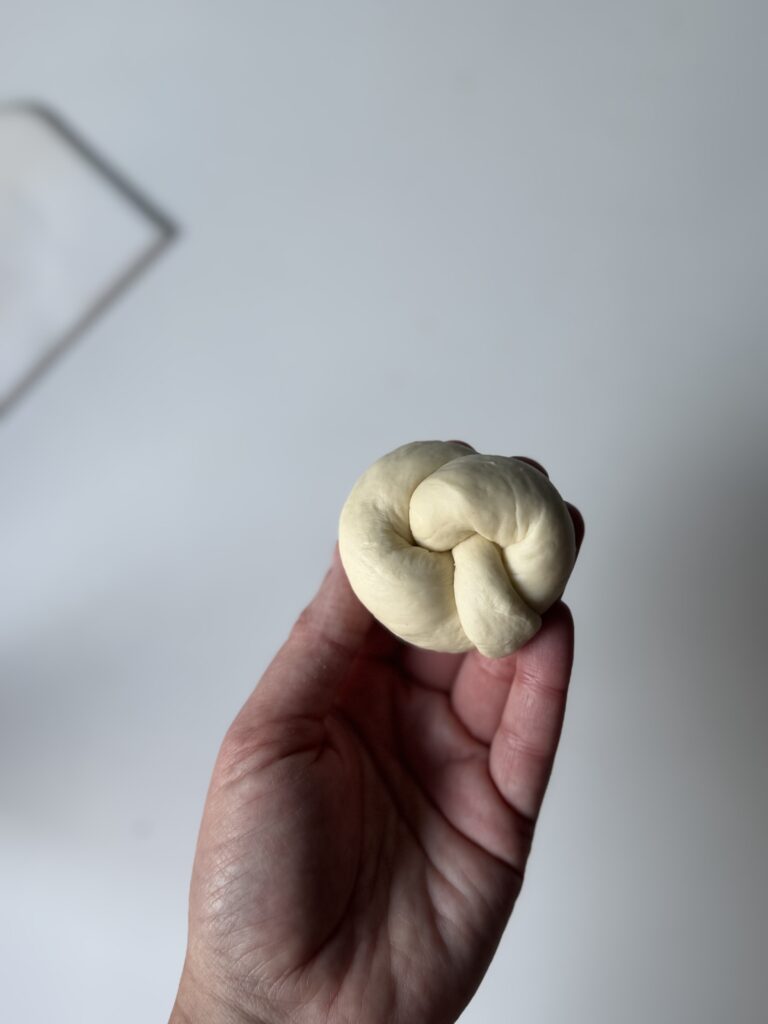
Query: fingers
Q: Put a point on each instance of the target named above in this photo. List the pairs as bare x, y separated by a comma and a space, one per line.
432, 669
480, 692
578, 524
305, 675
524, 744
532, 462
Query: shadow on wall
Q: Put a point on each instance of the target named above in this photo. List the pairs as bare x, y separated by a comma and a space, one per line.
711, 535
673, 726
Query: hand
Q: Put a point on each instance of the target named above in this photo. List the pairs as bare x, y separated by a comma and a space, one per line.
368, 823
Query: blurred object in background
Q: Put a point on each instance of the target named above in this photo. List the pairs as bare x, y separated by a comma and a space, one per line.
73, 234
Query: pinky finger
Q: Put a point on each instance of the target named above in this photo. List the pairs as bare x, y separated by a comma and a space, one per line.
524, 745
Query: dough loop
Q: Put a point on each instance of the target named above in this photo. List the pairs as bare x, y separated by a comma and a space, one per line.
451, 549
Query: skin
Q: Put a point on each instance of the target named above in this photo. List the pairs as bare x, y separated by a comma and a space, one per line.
368, 823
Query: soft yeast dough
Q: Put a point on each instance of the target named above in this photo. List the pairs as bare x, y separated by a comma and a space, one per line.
451, 549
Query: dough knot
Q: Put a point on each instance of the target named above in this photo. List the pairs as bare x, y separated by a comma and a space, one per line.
452, 549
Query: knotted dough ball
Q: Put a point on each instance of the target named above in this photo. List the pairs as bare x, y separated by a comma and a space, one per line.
452, 550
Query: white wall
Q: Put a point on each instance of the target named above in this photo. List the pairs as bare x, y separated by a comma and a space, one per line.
541, 227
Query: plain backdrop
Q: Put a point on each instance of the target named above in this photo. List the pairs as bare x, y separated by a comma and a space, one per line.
539, 227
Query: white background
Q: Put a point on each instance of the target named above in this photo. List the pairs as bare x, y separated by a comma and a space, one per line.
540, 227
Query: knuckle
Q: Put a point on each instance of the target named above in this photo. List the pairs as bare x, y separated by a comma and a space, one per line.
520, 745
307, 624
244, 749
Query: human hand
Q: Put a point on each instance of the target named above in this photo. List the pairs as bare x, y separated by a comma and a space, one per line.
368, 823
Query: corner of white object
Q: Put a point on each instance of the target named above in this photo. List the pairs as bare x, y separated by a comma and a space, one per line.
72, 234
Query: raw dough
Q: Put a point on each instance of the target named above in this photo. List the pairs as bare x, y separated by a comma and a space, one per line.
451, 549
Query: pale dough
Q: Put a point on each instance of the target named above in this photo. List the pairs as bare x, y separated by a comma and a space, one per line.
452, 550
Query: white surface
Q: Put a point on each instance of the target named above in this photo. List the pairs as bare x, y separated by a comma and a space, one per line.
67, 237
550, 219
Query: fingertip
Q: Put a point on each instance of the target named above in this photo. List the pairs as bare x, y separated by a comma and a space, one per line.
532, 462
579, 526
499, 668
549, 654
559, 617
557, 622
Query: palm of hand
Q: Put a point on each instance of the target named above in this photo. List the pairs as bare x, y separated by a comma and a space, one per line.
369, 820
